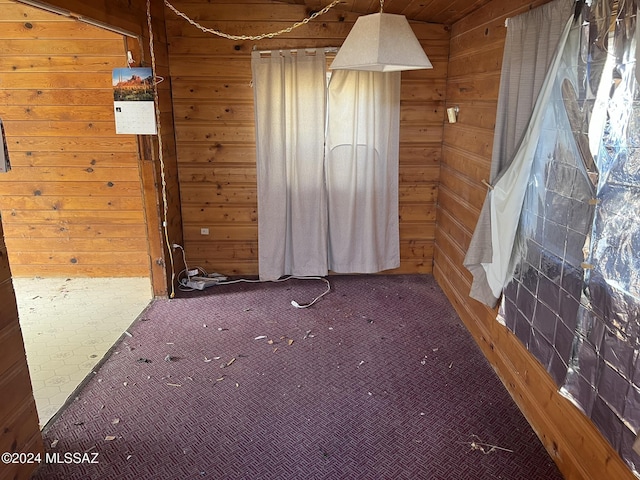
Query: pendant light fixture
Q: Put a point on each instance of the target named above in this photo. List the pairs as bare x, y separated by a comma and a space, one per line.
381, 42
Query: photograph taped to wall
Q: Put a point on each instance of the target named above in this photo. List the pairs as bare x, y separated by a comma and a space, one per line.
133, 99
5, 166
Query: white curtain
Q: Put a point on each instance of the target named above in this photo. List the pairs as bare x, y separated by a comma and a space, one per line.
530, 49
325, 208
289, 95
362, 171
507, 196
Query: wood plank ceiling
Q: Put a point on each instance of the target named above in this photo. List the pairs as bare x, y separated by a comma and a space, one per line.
445, 12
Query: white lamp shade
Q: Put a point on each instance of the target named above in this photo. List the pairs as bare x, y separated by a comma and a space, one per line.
381, 42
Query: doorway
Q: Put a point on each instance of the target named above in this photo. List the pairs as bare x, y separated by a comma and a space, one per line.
72, 204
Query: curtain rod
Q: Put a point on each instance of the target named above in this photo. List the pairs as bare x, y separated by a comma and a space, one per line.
326, 50
578, 7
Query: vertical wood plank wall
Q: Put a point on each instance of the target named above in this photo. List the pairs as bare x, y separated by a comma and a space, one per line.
72, 204
19, 431
477, 44
215, 129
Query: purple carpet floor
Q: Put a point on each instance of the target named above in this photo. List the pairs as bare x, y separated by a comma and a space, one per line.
377, 380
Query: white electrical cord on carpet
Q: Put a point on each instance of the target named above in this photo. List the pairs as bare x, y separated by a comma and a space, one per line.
290, 277
189, 273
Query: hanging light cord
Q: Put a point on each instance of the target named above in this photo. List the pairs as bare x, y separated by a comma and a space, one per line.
381, 5
160, 154
252, 37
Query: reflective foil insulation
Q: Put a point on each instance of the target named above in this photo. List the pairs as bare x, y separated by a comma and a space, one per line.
574, 299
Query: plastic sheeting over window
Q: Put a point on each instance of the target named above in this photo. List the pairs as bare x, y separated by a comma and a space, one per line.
529, 63
574, 300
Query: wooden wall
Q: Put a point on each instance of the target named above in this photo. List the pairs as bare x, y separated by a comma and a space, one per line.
214, 118
72, 204
477, 44
18, 415
131, 16
213, 111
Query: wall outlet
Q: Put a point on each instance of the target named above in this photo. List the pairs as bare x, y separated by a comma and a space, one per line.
204, 231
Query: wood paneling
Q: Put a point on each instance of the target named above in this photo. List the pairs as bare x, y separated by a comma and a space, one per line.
438, 11
18, 417
130, 16
207, 94
477, 42
57, 181
19, 430
215, 129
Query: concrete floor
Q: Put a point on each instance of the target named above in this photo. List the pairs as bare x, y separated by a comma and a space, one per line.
68, 325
